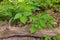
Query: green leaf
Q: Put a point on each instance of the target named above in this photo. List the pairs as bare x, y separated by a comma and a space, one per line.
27, 13
23, 19
47, 37
18, 15
51, 19
33, 18
50, 25
57, 37
42, 22
54, 38
44, 15
33, 29
20, 0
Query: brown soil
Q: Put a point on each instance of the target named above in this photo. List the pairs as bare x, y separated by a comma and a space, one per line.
7, 31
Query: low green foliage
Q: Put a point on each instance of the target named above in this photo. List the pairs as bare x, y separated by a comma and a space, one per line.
41, 21
57, 37
24, 10
46, 37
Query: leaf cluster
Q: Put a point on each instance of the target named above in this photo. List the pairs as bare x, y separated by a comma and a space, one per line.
40, 21
46, 37
22, 10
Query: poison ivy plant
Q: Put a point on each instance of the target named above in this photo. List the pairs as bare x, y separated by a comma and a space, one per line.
22, 17
40, 21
